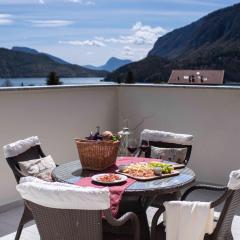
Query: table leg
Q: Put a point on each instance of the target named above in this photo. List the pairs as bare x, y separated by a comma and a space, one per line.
144, 227
138, 205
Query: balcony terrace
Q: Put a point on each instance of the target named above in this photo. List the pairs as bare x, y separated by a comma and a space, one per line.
59, 114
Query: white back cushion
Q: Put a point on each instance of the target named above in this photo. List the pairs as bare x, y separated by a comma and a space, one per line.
16, 148
40, 168
168, 137
177, 155
62, 195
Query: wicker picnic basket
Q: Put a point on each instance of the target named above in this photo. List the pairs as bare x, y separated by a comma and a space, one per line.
97, 155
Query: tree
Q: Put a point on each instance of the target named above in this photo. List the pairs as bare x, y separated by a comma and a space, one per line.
130, 77
53, 79
119, 81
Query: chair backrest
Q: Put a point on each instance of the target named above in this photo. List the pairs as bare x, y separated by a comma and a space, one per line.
224, 224
67, 223
166, 140
27, 152
65, 211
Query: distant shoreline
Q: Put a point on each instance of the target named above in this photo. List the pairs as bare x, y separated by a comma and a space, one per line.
15, 82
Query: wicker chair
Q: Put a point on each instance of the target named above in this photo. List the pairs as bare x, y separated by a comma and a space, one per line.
67, 212
222, 231
164, 142
32, 152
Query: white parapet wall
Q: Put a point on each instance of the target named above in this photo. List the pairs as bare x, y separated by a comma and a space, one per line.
57, 116
211, 114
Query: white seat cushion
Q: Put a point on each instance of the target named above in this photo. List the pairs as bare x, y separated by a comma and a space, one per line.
63, 196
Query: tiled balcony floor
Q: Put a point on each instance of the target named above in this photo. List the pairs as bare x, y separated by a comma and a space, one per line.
9, 221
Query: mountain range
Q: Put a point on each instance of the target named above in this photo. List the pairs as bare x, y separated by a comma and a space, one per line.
212, 42
28, 62
25, 62
34, 51
112, 64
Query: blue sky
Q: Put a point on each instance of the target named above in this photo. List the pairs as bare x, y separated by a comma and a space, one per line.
92, 31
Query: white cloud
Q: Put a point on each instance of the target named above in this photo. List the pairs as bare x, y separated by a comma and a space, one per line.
51, 23
134, 45
140, 35
92, 43
134, 53
88, 2
5, 19
196, 2
41, 2
5, 15
138, 42
144, 34
128, 51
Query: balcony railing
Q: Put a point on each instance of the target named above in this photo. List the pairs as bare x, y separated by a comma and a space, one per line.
59, 114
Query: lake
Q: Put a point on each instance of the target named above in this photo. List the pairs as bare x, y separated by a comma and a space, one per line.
42, 81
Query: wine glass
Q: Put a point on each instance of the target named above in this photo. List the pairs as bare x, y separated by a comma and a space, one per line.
132, 146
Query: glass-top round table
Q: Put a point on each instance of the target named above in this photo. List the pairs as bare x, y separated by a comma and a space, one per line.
72, 172
138, 196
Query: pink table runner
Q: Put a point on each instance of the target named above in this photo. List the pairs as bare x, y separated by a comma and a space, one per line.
116, 191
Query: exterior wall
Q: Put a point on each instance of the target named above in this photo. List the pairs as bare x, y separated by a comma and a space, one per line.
57, 116
210, 114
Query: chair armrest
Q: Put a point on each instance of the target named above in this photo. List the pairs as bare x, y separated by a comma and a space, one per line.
129, 216
221, 199
203, 187
155, 221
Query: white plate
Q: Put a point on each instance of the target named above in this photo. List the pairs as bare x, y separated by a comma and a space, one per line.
96, 177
